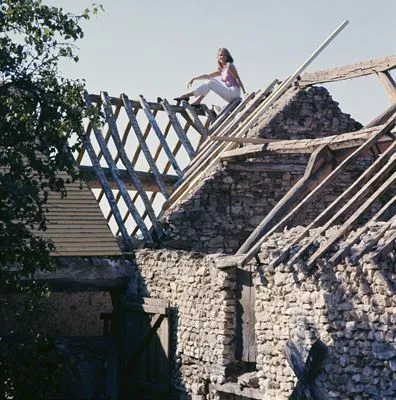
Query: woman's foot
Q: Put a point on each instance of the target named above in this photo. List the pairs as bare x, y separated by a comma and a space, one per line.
181, 98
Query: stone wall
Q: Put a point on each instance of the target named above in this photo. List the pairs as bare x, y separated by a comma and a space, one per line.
202, 301
307, 113
351, 308
229, 204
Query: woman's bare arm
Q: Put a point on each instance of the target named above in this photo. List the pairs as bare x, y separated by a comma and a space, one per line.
204, 76
235, 74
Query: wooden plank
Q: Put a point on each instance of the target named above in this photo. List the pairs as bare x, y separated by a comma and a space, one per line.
324, 215
155, 324
388, 83
250, 140
143, 145
178, 129
228, 129
348, 71
352, 202
154, 106
326, 182
147, 179
106, 189
131, 171
160, 135
230, 109
246, 347
122, 188
318, 167
347, 226
306, 146
196, 121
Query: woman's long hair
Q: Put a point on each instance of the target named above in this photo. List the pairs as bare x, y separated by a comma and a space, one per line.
228, 55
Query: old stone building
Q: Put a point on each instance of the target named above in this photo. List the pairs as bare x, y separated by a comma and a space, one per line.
257, 248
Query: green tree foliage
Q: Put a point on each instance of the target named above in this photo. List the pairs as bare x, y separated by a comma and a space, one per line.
40, 111
41, 115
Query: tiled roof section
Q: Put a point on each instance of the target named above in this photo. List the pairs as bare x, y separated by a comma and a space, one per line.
76, 224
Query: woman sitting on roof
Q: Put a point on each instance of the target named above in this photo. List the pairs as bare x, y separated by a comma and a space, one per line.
229, 90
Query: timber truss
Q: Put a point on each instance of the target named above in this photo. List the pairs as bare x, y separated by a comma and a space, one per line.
143, 166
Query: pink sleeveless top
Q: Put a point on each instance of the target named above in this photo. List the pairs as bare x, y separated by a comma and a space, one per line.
227, 77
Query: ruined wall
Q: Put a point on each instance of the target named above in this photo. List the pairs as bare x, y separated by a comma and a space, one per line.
307, 113
351, 308
229, 204
63, 314
203, 314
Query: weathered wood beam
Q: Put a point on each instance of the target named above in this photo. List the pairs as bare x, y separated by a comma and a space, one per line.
352, 202
383, 117
348, 71
317, 168
349, 223
192, 111
305, 146
117, 101
128, 165
160, 135
388, 83
106, 188
147, 179
144, 147
324, 215
251, 140
115, 174
178, 129
326, 182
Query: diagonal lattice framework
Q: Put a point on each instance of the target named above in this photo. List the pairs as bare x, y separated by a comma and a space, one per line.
132, 159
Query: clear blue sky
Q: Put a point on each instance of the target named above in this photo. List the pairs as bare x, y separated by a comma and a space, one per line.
154, 47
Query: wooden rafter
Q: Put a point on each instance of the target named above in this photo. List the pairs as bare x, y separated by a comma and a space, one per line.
388, 83
349, 223
355, 199
348, 71
249, 254
324, 215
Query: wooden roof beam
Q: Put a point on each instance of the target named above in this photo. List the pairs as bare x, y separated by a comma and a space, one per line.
388, 83
348, 71
147, 179
118, 102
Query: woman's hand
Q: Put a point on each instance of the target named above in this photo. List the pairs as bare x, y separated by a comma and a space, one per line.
190, 83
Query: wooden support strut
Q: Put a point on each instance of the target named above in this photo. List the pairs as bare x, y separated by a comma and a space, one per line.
337, 202
318, 167
107, 190
363, 191
160, 135
327, 181
347, 226
178, 129
342, 252
127, 163
114, 172
197, 122
143, 145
